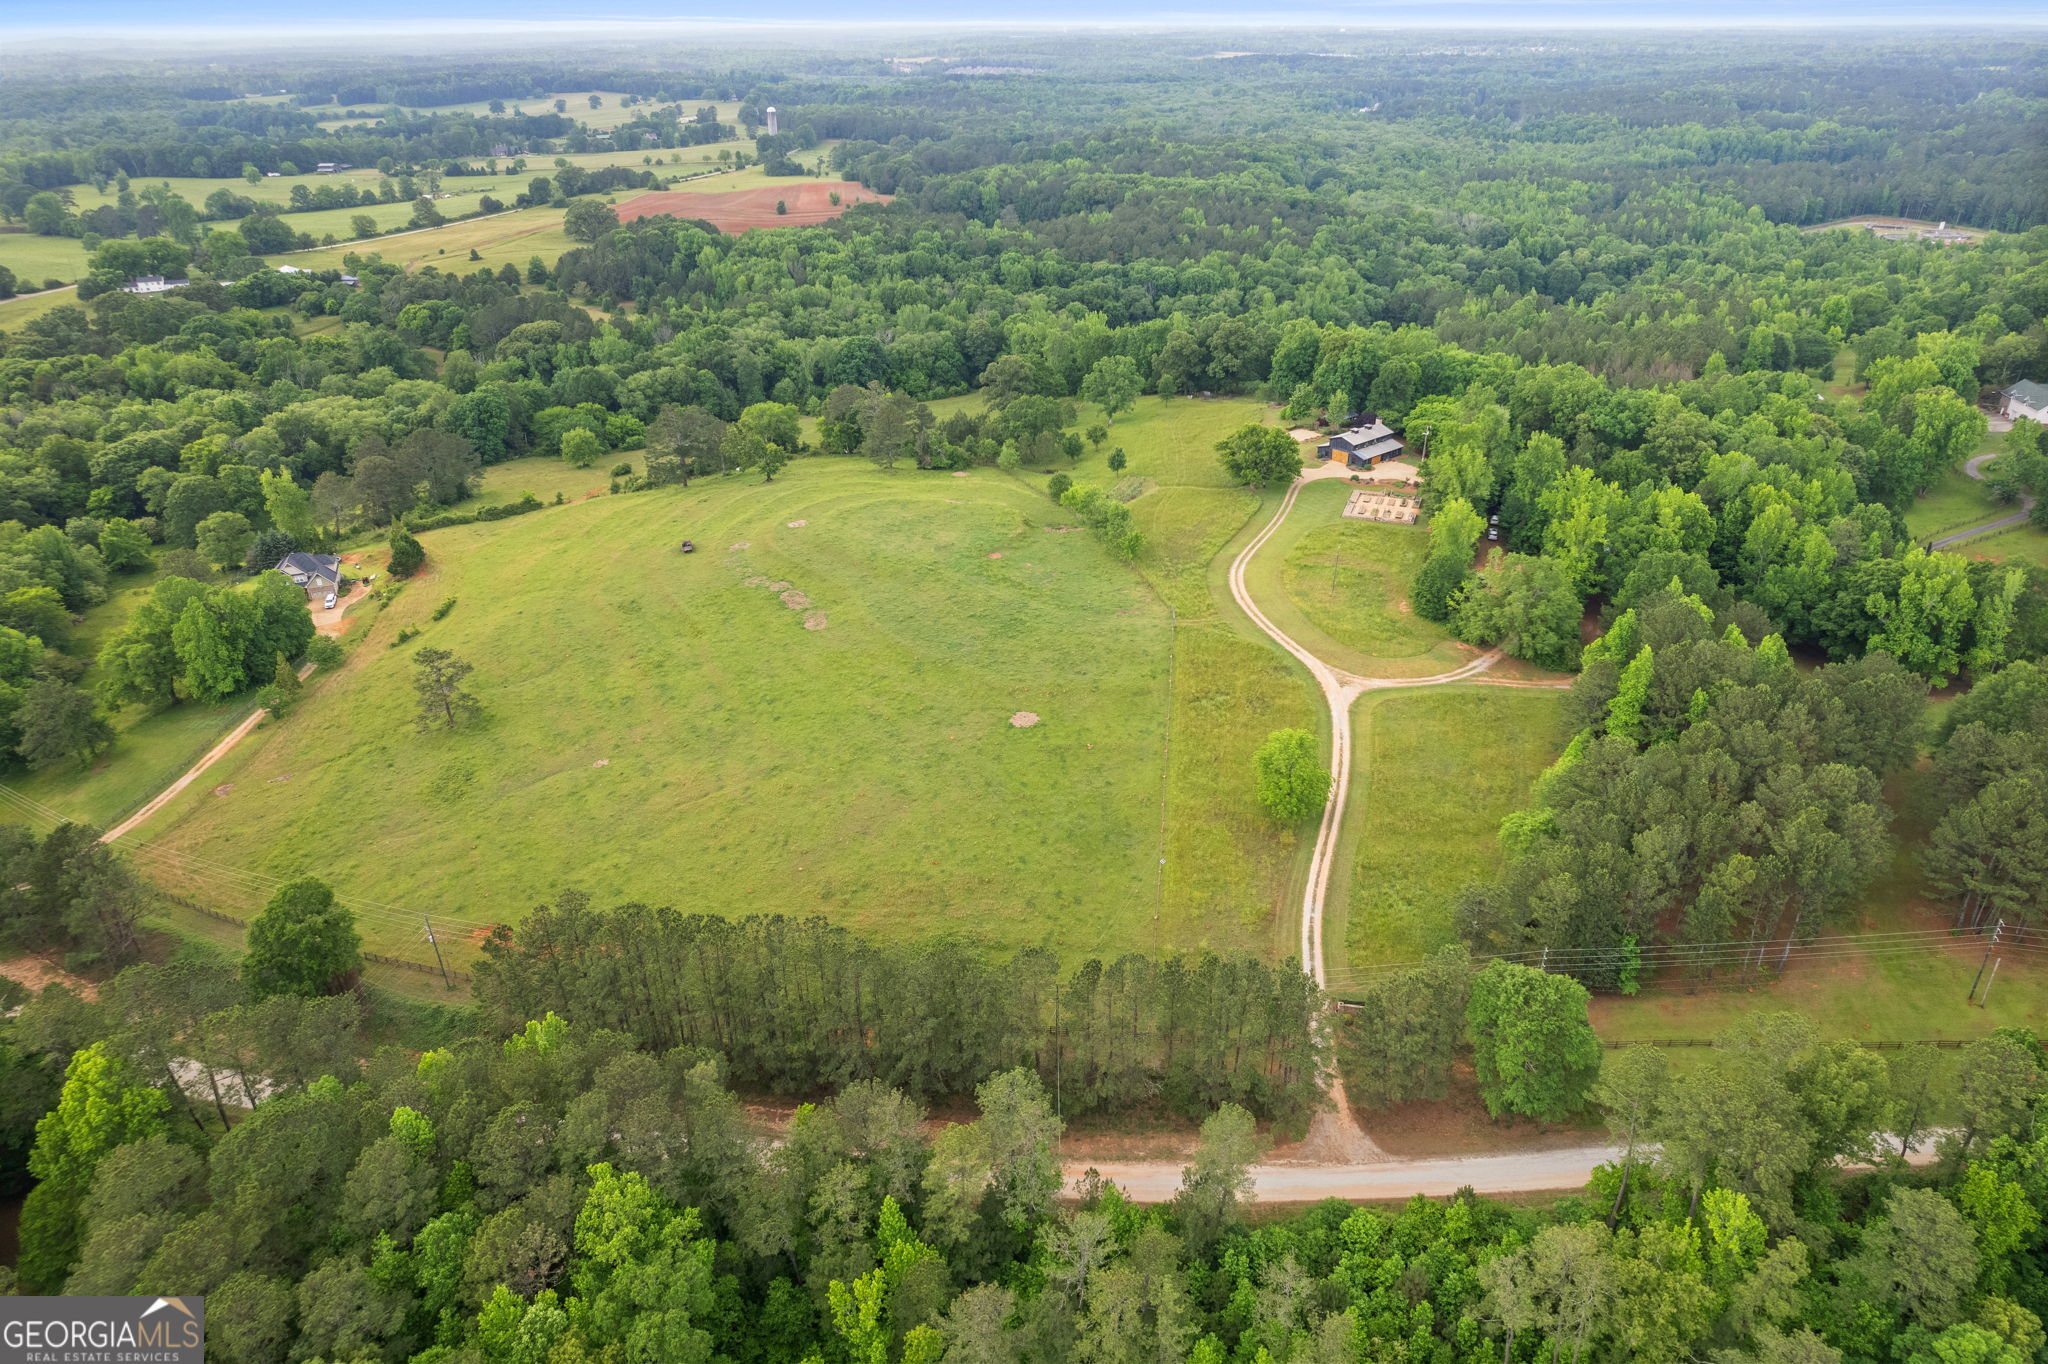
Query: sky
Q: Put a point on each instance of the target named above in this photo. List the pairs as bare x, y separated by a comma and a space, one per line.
113, 18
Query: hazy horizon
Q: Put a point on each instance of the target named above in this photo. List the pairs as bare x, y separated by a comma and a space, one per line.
121, 22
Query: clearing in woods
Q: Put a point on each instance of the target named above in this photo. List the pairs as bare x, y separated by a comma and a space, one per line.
665, 727
807, 201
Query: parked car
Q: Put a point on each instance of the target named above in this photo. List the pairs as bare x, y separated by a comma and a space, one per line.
330, 601
1493, 532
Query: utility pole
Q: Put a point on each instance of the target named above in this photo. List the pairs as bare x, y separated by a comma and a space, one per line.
1987, 984
434, 942
1988, 947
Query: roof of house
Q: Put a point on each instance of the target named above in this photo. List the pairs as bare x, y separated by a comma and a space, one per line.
1359, 436
2030, 393
1384, 445
299, 564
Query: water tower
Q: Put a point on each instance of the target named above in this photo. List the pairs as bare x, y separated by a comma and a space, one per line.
774, 123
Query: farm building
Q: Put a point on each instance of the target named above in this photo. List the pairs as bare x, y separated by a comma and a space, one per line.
318, 574
152, 284
1362, 446
2025, 399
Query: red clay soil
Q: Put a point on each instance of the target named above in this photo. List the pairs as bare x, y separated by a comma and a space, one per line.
808, 201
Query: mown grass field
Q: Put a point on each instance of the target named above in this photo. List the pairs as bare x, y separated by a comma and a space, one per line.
659, 729
34, 258
1340, 587
1434, 771
1226, 862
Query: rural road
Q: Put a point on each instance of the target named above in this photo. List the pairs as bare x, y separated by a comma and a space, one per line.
1571, 1168
1334, 1137
1974, 467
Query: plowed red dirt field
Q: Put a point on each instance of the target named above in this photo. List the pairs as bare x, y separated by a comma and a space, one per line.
808, 201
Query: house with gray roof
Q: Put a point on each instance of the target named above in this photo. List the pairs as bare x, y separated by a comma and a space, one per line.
2025, 399
1362, 446
316, 574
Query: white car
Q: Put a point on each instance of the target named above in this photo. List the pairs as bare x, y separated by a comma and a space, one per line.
330, 601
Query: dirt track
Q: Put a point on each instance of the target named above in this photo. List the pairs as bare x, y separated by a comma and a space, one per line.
1157, 1181
1334, 1140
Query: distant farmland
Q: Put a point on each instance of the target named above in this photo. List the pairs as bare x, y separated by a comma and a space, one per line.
808, 202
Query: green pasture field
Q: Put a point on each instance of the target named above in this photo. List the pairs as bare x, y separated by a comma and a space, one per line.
657, 728
17, 312
34, 258
1340, 586
500, 238
1434, 771
1226, 862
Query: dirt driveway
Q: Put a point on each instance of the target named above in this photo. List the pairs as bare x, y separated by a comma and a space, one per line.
330, 622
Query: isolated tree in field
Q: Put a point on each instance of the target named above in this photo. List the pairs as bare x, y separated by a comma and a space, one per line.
581, 447
303, 943
101, 1108
1293, 784
406, 554
58, 722
437, 680
589, 219
1532, 1045
1118, 461
1259, 455
1113, 384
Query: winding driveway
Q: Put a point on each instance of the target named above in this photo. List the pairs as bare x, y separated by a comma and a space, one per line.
1334, 1138
1974, 467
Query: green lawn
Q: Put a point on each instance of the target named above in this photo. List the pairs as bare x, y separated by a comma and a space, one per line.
1954, 502
658, 728
1434, 771
1340, 586
34, 258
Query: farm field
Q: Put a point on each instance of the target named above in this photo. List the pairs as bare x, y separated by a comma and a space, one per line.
702, 747
34, 258
1958, 501
1229, 875
806, 202
17, 312
500, 238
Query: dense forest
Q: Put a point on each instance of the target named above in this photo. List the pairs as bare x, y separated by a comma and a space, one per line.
1573, 273
560, 1192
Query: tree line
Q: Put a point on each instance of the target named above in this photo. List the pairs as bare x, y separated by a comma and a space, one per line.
795, 1006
